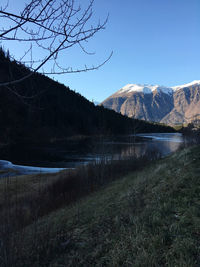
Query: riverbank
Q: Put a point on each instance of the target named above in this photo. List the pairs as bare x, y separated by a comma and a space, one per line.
30, 159
148, 218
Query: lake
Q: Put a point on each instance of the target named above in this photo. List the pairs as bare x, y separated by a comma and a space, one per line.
53, 158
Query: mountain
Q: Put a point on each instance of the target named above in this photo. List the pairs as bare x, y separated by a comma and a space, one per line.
170, 105
40, 110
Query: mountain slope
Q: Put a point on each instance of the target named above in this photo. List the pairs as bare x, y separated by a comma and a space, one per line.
186, 105
49, 111
179, 104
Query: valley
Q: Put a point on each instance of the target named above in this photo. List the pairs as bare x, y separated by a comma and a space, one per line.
99, 148
59, 151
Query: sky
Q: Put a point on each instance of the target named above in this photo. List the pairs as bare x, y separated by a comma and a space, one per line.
153, 42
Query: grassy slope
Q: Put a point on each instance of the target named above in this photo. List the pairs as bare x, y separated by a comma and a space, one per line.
149, 218
24, 185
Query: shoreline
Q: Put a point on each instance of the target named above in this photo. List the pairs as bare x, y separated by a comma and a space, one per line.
8, 168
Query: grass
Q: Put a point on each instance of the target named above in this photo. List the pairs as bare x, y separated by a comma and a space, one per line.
41, 194
150, 217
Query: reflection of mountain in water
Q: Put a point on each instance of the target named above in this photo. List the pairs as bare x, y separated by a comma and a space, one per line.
163, 144
84, 152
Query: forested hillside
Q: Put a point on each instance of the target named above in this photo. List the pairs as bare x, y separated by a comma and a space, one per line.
40, 109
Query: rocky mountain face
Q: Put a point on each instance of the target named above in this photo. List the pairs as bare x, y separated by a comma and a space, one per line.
175, 105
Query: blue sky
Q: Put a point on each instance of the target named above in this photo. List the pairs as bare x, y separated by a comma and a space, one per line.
154, 42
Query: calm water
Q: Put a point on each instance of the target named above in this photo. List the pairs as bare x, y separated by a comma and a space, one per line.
52, 158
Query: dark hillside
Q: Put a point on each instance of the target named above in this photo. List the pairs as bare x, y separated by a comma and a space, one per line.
49, 111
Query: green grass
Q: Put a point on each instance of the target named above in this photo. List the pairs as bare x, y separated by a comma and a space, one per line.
148, 218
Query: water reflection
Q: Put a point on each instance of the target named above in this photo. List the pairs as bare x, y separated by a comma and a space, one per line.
141, 144
84, 151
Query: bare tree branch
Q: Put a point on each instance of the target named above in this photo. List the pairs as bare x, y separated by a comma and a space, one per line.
51, 26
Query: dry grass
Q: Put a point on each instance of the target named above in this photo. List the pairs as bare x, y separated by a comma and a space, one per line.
149, 218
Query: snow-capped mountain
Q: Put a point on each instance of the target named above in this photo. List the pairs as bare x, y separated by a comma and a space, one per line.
172, 105
144, 88
196, 82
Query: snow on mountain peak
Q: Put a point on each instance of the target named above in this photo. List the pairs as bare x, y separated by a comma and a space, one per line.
144, 88
196, 82
149, 88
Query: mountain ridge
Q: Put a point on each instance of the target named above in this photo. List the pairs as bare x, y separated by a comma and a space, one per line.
170, 105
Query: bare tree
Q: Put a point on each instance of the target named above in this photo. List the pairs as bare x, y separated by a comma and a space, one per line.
51, 26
